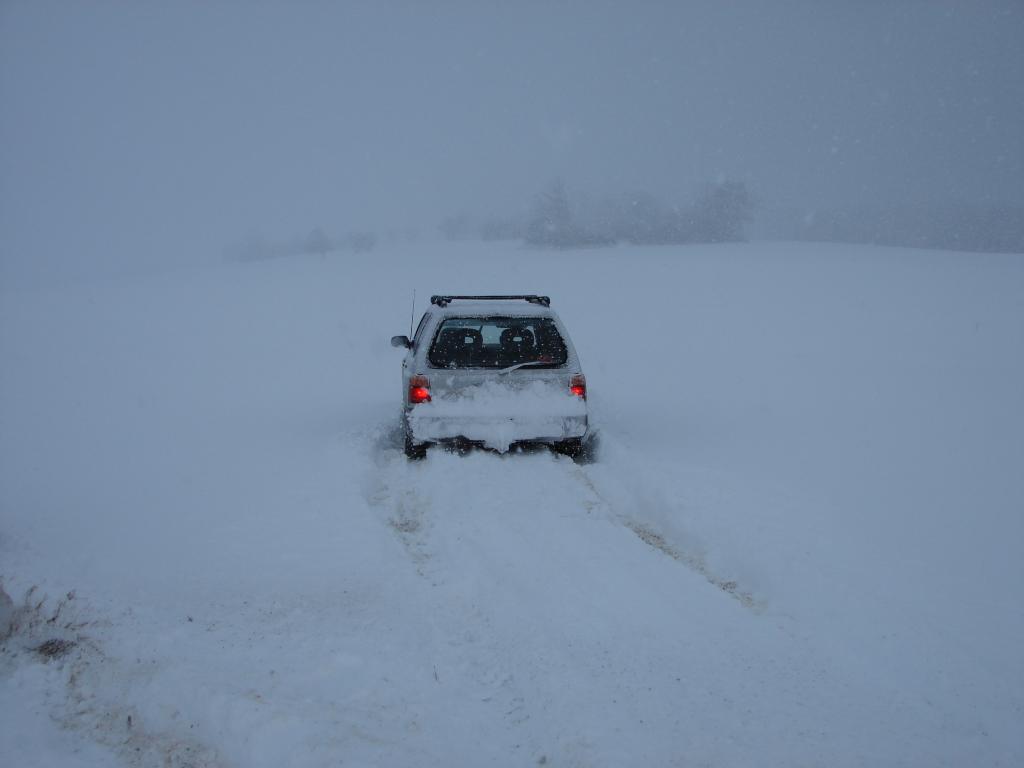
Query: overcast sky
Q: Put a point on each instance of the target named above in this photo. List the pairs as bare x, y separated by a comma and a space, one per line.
135, 132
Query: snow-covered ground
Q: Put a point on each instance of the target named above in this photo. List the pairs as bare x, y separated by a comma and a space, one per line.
799, 542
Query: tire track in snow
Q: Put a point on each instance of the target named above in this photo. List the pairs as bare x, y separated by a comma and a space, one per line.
534, 570
408, 519
399, 499
460, 544
647, 533
695, 562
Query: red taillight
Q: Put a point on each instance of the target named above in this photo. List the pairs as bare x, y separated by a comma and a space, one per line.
578, 385
419, 390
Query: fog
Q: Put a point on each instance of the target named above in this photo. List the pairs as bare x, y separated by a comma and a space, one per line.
135, 136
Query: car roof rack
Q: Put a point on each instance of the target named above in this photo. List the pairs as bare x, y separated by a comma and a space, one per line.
444, 301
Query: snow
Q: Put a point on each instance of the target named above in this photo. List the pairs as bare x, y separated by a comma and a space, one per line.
798, 543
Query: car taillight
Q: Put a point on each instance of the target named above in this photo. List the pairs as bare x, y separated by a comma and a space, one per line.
578, 385
419, 390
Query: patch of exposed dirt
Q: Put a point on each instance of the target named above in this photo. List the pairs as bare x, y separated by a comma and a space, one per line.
54, 648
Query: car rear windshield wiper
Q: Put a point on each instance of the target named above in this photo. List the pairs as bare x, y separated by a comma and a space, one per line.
517, 366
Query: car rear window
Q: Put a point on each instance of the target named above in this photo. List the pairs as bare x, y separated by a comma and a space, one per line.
497, 342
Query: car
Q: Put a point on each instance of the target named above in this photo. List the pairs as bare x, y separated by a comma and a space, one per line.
492, 371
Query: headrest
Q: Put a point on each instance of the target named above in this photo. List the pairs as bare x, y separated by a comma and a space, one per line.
520, 336
460, 337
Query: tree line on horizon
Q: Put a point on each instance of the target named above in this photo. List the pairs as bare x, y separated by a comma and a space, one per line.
720, 212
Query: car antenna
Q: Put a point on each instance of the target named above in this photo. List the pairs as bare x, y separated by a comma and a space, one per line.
412, 312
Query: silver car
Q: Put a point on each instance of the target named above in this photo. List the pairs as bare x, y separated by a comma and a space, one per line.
497, 371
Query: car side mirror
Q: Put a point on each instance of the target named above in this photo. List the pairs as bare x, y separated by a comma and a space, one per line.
401, 341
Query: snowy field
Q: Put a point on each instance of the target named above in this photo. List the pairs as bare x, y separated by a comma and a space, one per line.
799, 543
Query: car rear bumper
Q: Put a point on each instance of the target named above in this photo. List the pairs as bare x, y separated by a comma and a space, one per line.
497, 432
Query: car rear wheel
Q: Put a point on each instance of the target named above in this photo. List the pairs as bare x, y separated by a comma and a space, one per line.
415, 450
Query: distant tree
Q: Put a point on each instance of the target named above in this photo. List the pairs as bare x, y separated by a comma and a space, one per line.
637, 217
458, 227
503, 228
318, 242
551, 222
253, 248
721, 213
362, 242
